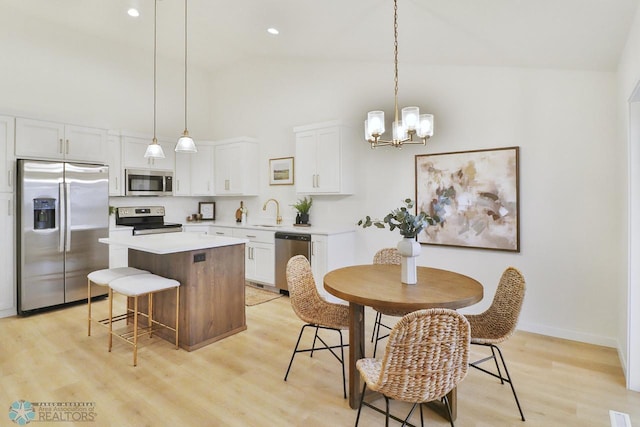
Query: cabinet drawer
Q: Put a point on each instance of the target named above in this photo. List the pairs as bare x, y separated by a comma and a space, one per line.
220, 231
263, 236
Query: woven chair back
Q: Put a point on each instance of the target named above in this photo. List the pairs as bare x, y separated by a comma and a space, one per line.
426, 356
304, 297
505, 309
387, 256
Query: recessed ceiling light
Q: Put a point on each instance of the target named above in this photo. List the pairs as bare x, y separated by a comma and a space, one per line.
273, 31
133, 12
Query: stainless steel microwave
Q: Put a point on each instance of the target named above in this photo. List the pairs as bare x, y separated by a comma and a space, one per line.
143, 182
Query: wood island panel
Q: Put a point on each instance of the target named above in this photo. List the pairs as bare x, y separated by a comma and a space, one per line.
212, 300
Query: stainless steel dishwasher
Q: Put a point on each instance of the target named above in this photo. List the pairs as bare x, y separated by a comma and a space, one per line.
287, 246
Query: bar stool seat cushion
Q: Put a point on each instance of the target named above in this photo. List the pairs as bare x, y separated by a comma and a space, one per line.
142, 284
107, 275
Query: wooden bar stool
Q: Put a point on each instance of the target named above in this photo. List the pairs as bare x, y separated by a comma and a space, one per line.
103, 278
134, 287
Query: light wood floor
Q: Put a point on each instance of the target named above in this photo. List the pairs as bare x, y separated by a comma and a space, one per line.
239, 381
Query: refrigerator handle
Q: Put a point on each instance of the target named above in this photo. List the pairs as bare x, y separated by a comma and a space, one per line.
67, 226
62, 217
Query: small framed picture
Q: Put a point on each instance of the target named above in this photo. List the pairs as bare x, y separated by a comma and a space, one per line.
281, 171
207, 210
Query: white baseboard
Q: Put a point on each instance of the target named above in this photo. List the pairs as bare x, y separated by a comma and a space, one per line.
568, 334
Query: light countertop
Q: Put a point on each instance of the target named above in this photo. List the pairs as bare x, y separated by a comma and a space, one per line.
167, 243
288, 228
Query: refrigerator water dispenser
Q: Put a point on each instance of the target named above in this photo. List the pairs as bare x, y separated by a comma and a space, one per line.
44, 213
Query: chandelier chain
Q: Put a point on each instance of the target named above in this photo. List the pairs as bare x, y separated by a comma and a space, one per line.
395, 59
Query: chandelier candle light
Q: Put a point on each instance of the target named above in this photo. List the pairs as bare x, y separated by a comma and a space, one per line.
154, 150
185, 142
413, 123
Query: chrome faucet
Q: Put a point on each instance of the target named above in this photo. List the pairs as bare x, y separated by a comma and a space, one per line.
278, 217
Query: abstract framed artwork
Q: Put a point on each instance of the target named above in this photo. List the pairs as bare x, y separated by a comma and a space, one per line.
475, 196
281, 171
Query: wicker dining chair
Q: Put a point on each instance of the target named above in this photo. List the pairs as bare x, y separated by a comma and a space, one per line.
426, 356
498, 323
384, 256
318, 313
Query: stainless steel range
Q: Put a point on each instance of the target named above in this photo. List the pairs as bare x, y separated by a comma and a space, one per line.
146, 220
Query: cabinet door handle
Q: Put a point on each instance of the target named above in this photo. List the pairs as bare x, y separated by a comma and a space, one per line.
249, 236
9, 207
67, 147
226, 184
9, 179
317, 181
60, 146
116, 179
220, 233
313, 248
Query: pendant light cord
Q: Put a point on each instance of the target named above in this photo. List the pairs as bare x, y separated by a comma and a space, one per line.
155, 24
185, 66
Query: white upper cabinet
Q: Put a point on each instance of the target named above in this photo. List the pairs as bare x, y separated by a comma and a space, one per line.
236, 167
134, 147
194, 175
7, 161
58, 141
114, 160
324, 159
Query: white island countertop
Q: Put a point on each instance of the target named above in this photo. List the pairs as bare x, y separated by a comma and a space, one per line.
168, 243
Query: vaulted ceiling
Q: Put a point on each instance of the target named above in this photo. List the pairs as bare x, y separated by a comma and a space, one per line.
565, 34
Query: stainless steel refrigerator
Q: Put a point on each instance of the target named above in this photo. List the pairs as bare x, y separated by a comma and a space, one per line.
63, 209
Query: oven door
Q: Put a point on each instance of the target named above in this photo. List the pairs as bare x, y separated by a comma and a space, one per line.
142, 182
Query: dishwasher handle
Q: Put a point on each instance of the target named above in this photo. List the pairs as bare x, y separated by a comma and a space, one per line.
293, 236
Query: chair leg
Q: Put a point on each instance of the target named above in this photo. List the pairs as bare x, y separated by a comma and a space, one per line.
135, 331
406, 420
177, 314
295, 350
448, 406
509, 381
376, 324
386, 401
499, 374
344, 377
315, 338
110, 319
89, 307
361, 401
150, 314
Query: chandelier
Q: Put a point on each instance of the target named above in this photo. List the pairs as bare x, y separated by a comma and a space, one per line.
185, 142
413, 124
154, 150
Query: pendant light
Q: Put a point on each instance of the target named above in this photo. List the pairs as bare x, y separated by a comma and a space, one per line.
154, 150
185, 142
412, 124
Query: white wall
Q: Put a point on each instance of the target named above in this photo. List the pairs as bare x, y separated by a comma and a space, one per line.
629, 137
572, 163
50, 72
571, 170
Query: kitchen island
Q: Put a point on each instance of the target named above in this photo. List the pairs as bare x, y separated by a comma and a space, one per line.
211, 273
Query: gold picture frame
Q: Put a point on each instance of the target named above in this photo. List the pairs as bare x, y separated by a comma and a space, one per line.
281, 171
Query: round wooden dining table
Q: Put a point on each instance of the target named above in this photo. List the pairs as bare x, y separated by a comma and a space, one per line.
379, 286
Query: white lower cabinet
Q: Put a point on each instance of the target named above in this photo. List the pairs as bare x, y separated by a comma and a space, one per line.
7, 256
195, 228
329, 252
260, 255
118, 255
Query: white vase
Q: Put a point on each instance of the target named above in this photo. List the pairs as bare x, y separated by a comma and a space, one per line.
409, 249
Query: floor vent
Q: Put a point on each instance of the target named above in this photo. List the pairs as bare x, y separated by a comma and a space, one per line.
619, 419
